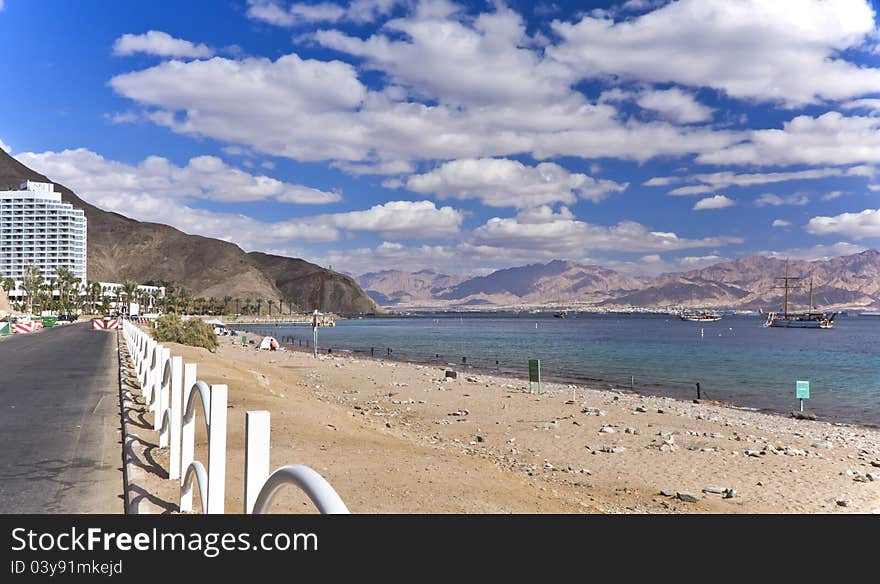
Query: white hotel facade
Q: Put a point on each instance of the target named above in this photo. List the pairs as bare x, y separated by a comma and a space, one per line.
37, 228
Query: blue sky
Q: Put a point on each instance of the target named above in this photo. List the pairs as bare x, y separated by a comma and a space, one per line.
647, 136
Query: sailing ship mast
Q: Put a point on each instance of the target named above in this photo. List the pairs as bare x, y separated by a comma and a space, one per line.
786, 279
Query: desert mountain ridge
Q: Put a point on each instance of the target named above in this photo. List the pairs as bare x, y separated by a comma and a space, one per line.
121, 248
851, 281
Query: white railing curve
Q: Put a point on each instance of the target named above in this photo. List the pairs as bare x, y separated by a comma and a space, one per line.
261, 486
171, 390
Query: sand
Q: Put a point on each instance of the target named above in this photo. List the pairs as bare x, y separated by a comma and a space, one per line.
400, 438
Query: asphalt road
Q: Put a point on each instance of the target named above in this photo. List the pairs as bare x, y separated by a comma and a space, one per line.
59, 422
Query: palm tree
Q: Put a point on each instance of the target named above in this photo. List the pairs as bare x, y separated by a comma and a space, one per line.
226, 301
129, 287
270, 303
94, 294
33, 280
259, 306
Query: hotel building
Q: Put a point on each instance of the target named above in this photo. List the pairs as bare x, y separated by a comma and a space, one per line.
37, 228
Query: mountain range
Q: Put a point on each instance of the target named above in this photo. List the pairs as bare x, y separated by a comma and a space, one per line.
120, 248
851, 281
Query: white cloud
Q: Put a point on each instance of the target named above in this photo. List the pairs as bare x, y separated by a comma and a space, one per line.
402, 220
280, 13
834, 195
203, 177
675, 105
785, 51
3, 145
718, 180
541, 231
817, 252
830, 138
509, 183
715, 202
780, 223
1, 5
161, 44
874, 188
870, 104
319, 110
777, 201
855, 225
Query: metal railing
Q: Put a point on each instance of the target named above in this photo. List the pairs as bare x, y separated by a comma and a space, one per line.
172, 391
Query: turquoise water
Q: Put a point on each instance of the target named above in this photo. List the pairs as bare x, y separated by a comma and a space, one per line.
735, 359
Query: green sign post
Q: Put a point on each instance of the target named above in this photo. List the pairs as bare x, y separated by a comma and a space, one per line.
244, 340
535, 375
802, 391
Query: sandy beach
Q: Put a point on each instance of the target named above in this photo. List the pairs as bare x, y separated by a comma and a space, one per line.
401, 438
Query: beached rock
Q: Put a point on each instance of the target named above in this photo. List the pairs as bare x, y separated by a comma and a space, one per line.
729, 493
472, 379
642, 409
713, 490
450, 374
667, 493
822, 444
612, 449
755, 453
803, 416
554, 425
459, 413
593, 411
687, 497
606, 430
841, 502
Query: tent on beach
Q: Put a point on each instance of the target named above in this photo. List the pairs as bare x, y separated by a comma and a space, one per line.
269, 344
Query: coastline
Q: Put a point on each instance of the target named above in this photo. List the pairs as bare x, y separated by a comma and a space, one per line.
493, 447
650, 389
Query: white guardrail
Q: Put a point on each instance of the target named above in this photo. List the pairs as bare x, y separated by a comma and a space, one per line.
172, 390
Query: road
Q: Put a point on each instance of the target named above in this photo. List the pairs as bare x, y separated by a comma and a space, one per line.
59, 422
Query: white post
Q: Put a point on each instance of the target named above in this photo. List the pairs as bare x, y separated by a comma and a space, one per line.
217, 450
176, 407
160, 389
256, 456
188, 437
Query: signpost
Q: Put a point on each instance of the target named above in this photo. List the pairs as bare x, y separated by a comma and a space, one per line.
535, 375
802, 391
315, 332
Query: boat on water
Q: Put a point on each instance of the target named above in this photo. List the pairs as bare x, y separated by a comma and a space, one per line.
869, 314
561, 314
704, 316
809, 319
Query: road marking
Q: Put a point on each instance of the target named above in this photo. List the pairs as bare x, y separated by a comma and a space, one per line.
98, 404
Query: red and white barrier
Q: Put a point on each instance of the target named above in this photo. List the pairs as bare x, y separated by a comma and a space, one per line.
24, 327
97, 324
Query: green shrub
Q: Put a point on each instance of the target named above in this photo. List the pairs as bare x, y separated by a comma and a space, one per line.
193, 332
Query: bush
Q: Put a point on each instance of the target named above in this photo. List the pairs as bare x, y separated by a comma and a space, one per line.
194, 332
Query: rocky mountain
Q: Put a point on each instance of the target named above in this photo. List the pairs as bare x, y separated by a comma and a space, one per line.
397, 287
121, 248
554, 282
750, 283
842, 282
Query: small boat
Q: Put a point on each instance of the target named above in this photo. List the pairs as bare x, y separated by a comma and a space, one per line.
704, 316
562, 314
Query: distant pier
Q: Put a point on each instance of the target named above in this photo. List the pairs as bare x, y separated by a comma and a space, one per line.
323, 319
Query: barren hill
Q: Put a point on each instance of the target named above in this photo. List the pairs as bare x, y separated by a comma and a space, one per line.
121, 248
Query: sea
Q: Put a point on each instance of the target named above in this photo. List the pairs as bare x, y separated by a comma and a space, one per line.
736, 359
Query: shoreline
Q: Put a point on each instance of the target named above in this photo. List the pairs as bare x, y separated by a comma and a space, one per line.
593, 384
399, 437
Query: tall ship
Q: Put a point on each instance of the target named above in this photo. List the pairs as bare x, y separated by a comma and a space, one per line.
809, 319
